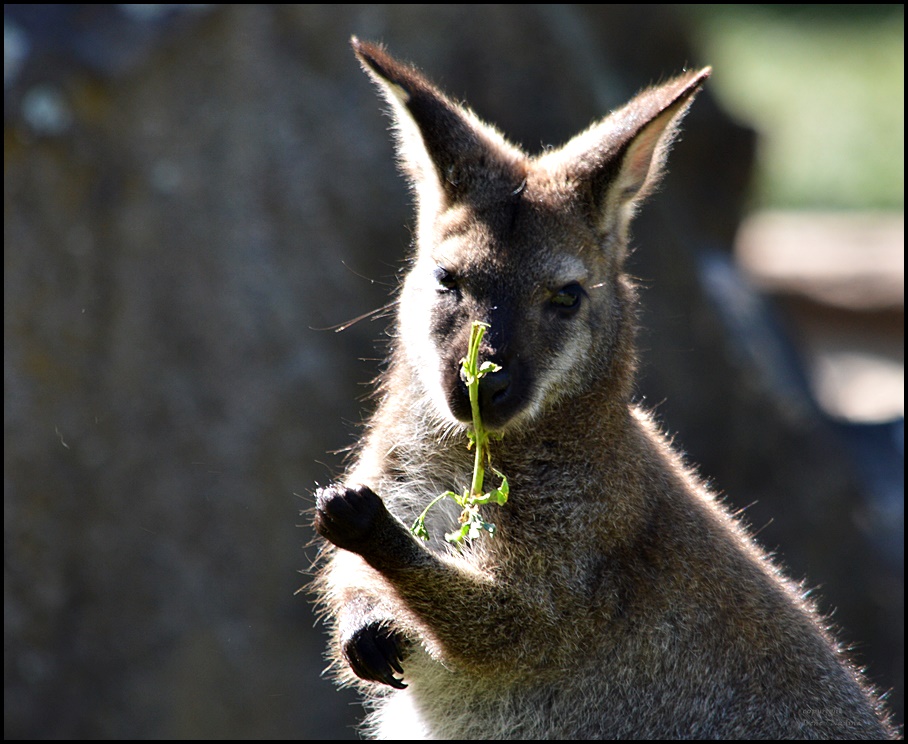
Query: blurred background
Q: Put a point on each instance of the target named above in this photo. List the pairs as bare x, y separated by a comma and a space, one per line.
193, 194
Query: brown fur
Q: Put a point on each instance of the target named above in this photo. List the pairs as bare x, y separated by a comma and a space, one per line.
618, 599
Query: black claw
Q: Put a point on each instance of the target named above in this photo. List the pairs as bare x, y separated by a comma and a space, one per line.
374, 653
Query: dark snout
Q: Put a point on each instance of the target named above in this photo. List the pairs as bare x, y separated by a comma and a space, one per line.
502, 394
495, 389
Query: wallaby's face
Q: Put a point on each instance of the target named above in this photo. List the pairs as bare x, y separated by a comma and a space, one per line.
532, 246
535, 274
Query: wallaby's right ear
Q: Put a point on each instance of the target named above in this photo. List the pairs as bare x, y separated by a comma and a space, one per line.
441, 145
615, 163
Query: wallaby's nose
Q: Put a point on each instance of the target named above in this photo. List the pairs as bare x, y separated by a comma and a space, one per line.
494, 389
501, 393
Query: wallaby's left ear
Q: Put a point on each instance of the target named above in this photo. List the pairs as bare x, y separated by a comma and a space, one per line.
644, 155
617, 161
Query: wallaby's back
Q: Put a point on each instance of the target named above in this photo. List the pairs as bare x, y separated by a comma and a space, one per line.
616, 599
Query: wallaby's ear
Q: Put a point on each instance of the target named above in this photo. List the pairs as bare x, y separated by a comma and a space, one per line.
661, 109
616, 162
442, 146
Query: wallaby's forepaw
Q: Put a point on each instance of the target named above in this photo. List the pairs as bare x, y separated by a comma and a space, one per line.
347, 516
374, 653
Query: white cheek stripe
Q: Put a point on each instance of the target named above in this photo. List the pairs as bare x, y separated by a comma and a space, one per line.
421, 352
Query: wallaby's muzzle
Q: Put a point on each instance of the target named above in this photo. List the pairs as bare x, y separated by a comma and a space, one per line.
502, 394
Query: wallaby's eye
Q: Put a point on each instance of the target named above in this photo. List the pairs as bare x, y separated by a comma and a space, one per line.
444, 278
567, 299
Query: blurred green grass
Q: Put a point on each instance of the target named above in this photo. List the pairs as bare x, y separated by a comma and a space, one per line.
824, 85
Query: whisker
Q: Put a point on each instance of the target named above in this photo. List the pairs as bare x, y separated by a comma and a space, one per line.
374, 314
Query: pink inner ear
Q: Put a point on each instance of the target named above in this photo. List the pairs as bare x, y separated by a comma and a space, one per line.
637, 164
642, 156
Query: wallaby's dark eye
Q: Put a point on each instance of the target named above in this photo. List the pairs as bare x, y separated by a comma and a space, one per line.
567, 299
444, 277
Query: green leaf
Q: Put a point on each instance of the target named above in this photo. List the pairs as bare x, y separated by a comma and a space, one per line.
500, 494
458, 535
487, 367
419, 528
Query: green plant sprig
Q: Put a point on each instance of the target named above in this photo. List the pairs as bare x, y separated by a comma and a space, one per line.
471, 523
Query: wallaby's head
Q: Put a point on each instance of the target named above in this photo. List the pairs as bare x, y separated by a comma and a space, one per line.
534, 246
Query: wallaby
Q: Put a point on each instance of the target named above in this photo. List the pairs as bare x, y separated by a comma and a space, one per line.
618, 598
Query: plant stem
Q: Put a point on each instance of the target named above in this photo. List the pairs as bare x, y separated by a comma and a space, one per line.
470, 500
481, 438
